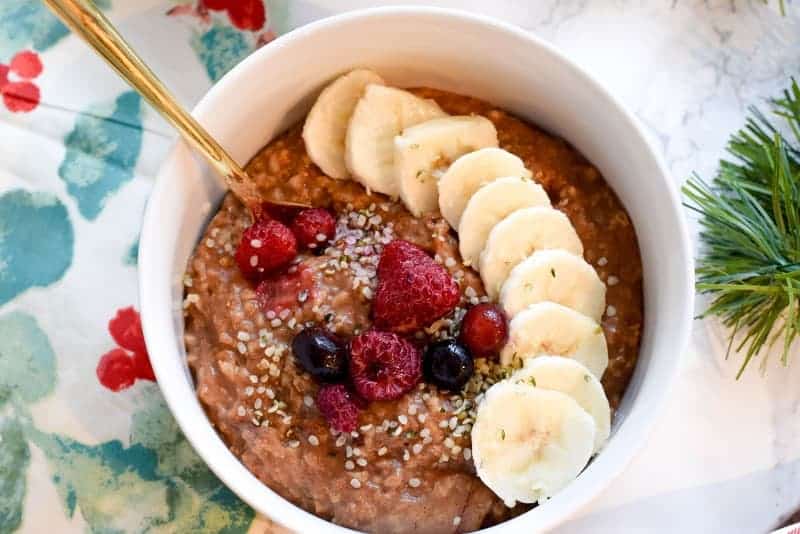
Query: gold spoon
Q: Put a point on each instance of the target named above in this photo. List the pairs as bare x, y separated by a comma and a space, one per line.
89, 23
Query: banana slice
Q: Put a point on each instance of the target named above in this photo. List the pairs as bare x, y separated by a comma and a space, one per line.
471, 171
380, 115
519, 235
574, 379
547, 328
423, 152
489, 205
528, 443
558, 276
326, 125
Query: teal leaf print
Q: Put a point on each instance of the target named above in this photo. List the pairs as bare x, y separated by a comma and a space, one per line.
220, 48
28, 23
27, 362
14, 459
132, 256
157, 484
36, 241
102, 150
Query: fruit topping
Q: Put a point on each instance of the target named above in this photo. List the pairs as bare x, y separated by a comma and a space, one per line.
448, 364
314, 228
286, 290
383, 366
321, 353
338, 406
266, 246
413, 290
484, 330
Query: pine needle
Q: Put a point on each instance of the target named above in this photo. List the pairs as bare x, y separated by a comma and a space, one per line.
750, 230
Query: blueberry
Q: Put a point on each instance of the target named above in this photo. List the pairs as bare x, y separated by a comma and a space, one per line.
448, 364
321, 353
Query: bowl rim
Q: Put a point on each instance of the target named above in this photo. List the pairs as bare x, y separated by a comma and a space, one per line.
280, 509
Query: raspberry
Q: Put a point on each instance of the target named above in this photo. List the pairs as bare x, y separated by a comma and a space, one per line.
126, 329
247, 14
314, 227
116, 370
4, 70
383, 366
484, 330
396, 253
413, 290
339, 407
265, 247
286, 290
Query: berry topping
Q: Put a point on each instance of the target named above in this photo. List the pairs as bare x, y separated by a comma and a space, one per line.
321, 353
338, 406
484, 330
116, 370
397, 253
314, 228
289, 290
413, 290
265, 247
383, 366
448, 364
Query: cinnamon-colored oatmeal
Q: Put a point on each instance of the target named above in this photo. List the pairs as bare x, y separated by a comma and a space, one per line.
408, 468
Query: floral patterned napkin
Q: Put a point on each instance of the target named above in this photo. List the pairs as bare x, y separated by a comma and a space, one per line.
86, 441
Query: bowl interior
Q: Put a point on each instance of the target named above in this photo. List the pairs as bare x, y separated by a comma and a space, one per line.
462, 53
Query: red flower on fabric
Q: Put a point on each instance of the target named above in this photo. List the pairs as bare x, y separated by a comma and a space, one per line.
119, 368
19, 93
248, 15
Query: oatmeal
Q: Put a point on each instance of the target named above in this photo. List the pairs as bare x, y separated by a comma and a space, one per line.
408, 466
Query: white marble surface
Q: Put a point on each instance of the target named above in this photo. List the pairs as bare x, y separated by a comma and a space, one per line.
725, 454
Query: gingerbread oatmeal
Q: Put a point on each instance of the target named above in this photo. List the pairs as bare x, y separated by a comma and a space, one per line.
408, 466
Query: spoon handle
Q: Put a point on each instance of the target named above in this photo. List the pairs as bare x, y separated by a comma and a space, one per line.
88, 22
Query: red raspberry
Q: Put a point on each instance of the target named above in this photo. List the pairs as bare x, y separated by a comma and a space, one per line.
247, 14
383, 366
339, 407
4, 70
484, 330
413, 290
265, 247
314, 227
116, 370
286, 290
396, 253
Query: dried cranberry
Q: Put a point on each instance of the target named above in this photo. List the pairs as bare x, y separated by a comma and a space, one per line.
484, 330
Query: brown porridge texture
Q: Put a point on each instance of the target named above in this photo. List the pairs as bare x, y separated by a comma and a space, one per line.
408, 468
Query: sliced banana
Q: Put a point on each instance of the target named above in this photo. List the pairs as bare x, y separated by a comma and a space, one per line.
489, 205
574, 379
471, 171
558, 276
325, 128
423, 152
547, 328
528, 443
380, 115
519, 235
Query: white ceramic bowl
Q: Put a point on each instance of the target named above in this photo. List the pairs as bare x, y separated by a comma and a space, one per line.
450, 50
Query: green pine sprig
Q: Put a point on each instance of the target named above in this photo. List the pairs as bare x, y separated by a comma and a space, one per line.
750, 231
